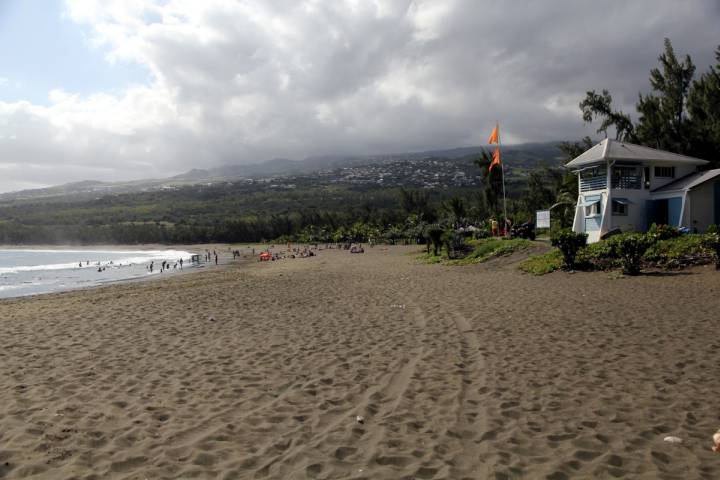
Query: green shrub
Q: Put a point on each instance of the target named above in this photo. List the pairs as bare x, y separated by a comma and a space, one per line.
596, 256
662, 232
569, 243
453, 242
434, 236
674, 252
711, 241
481, 233
630, 248
712, 229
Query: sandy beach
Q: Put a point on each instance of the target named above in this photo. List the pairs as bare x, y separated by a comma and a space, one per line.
260, 370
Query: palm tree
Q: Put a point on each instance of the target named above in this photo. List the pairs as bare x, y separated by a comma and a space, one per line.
456, 208
492, 182
565, 204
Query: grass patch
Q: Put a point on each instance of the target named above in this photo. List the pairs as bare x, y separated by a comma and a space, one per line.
542, 264
481, 250
486, 248
429, 258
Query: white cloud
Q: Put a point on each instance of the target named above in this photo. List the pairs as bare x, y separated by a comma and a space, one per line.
247, 81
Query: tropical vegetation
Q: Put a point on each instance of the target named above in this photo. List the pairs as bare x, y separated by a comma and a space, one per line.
662, 247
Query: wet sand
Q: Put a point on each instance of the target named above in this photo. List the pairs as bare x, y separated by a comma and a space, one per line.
259, 370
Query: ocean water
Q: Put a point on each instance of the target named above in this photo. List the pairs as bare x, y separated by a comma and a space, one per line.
32, 271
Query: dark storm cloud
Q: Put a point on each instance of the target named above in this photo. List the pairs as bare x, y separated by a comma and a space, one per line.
247, 81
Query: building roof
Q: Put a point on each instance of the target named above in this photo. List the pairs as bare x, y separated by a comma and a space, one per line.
688, 182
610, 149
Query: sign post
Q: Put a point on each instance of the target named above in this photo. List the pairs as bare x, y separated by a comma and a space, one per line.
542, 219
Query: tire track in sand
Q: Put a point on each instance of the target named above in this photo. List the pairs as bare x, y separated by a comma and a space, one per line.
241, 411
471, 420
392, 392
378, 403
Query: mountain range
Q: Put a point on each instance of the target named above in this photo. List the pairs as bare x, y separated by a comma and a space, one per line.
527, 155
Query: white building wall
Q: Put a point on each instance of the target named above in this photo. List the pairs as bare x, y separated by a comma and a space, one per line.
580, 217
579, 220
636, 219
701, 210
604, 222
680, 171
686, 220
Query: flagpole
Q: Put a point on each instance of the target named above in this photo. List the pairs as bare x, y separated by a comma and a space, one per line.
502, 170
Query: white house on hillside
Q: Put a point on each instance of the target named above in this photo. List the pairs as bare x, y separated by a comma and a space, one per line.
630, 187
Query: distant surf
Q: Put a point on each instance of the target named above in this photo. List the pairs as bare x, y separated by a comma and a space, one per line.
32, 271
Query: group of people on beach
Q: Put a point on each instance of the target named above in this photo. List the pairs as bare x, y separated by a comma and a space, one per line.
165, 265
208, 256
291, 252
303, 252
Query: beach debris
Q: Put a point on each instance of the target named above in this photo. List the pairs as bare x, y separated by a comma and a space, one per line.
716, 441
401, 306
360, 419
672, 439
211, 318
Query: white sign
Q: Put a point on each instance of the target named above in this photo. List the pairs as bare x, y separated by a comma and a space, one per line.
542, 219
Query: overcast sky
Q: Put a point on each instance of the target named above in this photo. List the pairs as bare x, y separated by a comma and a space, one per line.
128, 89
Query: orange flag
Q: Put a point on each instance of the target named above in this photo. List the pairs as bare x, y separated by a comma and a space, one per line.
494, 135
495, 159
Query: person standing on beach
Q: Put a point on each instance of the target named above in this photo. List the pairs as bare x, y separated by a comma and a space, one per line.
181, 262
151, 266
215, 257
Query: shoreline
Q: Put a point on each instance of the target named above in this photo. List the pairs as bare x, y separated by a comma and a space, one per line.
125, 281
245, 258
189, 268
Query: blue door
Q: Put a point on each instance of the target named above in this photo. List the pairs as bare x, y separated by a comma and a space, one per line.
657, 212
674, 208
651, 213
